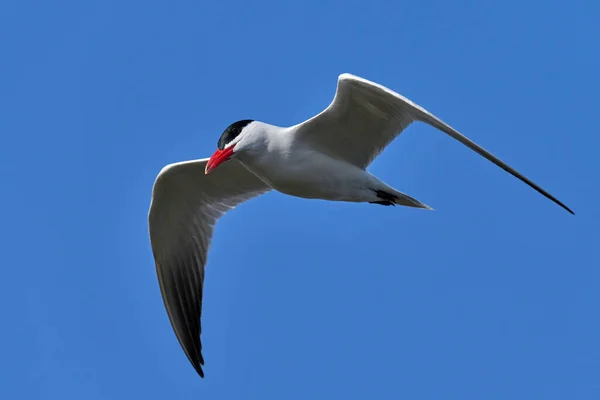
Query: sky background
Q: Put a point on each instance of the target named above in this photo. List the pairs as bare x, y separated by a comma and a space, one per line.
494, 295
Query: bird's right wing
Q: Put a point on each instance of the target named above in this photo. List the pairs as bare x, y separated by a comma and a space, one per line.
186, 204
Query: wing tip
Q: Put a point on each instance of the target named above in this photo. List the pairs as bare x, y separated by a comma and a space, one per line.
198, 368
568, 209
197, 362
555, 200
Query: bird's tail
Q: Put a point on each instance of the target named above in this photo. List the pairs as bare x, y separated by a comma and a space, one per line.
390, 197
405, 200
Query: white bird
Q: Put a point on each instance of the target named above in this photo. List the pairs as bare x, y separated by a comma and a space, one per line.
324, 157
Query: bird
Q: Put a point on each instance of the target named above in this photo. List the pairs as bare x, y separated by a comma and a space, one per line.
325, 157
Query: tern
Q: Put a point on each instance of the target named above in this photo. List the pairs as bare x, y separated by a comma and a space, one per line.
324, 157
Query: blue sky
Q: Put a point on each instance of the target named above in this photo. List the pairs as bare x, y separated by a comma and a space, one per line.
494, 295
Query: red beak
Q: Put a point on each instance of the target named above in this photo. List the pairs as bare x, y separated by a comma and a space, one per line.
218, 158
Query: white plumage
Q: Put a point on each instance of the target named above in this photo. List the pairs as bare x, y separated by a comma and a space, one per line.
324, 157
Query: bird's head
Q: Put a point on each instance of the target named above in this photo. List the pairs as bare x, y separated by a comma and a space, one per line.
232, 141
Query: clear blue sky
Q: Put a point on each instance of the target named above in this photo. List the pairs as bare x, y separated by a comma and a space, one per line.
494, 295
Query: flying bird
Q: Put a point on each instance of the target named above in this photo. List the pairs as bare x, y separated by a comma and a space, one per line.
324, 157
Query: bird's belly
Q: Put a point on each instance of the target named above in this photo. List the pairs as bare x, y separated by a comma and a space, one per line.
316, 187
317, 179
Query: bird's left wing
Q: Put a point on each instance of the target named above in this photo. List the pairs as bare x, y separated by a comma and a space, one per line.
364, 117
186, 204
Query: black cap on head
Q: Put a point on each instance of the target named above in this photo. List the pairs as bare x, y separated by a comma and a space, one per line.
232, 132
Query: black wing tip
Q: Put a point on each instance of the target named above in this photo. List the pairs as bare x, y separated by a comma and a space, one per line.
569, 210
563, 206
198, 367
197, 362
199, 371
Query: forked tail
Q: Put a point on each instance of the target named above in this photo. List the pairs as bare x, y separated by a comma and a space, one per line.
391, 197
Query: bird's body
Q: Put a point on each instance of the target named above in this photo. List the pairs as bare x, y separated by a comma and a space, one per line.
324, 158
289, 164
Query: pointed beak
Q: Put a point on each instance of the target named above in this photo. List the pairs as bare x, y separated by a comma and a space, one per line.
218, 158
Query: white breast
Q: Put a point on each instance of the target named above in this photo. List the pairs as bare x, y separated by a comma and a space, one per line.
304, 172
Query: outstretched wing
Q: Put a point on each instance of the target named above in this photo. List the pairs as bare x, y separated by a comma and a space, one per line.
186, 204
365, 117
